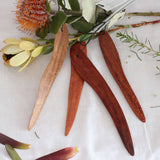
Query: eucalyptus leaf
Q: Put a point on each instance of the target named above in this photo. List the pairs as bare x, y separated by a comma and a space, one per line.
84, 37
73, 19
74, 5
66, 4
82, 26
89, 10
46, 40
72, 43
101, 14
48, 7
42, 32
47, 50
12, 153
61, 4
57, 21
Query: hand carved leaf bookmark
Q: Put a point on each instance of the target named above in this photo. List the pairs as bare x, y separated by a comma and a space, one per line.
75, 89
113, 62
89, 73
51, 72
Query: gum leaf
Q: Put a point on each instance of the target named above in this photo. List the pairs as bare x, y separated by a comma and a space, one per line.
48, 7
74, 5
88, 10
47, 50
57, 21
73, 19
82, 26
42, 32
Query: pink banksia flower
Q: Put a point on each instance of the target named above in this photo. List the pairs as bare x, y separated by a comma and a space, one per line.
31, 14
63, 154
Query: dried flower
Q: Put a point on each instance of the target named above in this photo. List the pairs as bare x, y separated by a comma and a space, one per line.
63, 154
31, 14
20, 52
12, 142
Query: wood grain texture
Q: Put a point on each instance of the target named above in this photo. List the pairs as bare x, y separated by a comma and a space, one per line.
89, 73
75, 89
51, 72
113, 62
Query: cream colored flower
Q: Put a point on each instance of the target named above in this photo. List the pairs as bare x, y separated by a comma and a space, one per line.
119, 16
88, 10
20, 52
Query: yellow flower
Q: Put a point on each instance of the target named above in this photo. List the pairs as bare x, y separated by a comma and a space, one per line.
20, 52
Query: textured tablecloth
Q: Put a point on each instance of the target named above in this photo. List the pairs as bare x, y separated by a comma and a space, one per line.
93, 131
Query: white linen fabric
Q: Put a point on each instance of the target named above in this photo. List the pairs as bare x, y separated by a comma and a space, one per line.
93, 131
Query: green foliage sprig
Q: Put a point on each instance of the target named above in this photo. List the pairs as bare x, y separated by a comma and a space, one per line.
134, 43
138, 47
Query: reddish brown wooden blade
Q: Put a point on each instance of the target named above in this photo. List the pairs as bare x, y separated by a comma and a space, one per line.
113, 62
89, 73
75, 89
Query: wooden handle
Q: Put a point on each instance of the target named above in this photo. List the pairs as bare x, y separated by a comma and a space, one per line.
89, 73
113, 62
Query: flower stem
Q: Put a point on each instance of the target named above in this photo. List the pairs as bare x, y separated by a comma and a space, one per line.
119, 27
79, 13
133, 25
143, 14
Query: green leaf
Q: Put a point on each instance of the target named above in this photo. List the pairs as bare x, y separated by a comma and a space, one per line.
84, 37
74, 5
48, 7
12, 153
72, 43
42, 32
57, 21
61, 4
47, 50
82, 26
89, 10
46, 40
73, 19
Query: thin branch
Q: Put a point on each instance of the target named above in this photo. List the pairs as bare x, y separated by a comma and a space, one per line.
133, 25
143, 14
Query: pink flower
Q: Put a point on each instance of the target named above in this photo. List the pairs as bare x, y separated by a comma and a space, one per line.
63, 154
